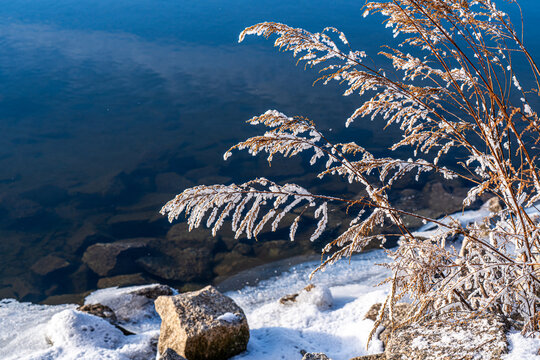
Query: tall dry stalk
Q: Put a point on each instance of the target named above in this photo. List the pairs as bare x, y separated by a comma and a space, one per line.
459, 92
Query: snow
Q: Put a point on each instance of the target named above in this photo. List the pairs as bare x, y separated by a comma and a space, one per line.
228, 317
280, 331
320, 296
41, 332
71, 328
22, 328
329, 318
521, 347
135, 313
77, 335
464, 218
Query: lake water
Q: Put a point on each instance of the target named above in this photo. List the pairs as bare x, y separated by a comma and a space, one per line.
110, 108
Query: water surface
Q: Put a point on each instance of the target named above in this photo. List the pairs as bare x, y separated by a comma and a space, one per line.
109, 108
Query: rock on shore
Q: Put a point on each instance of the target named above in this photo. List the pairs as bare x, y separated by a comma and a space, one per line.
202, 325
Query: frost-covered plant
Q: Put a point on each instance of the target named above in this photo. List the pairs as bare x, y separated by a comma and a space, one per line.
458, 92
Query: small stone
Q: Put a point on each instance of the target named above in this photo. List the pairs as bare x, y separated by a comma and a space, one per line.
315, 356
154, 291
288, 299
100, 310
320, 296
192, 327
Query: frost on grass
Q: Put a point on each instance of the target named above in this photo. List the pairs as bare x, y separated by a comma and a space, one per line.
456, 93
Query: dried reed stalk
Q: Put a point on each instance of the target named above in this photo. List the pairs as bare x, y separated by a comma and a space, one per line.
459, 91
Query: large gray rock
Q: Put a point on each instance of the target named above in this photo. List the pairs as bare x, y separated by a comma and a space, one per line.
202, 325
450, 336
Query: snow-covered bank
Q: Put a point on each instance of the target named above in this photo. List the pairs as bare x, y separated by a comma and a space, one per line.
29, 331
278, 331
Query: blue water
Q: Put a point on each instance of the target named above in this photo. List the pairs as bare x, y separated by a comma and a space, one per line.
109, 108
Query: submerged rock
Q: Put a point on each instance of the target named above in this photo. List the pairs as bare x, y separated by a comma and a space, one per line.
202, 325
123, 280
107, 259
233, 262
25, 288
181, 265
179, 237
49, 264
